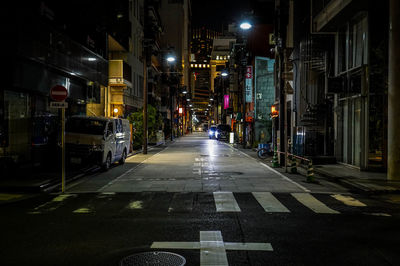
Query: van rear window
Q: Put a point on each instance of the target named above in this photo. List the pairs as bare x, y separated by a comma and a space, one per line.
85, 126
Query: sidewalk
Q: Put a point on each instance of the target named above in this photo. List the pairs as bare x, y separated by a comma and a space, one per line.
27, 182
362, 181
352, 178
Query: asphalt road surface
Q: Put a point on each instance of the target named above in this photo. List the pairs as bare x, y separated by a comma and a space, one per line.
207, 202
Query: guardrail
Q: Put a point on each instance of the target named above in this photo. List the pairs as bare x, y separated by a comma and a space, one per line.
292, 162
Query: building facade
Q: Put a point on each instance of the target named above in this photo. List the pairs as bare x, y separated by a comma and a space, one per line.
337, 60
45, 49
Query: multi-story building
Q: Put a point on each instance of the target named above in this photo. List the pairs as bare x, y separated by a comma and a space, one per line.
176, 18
125, 27
200, 62
338, 54
220, 56
44, 48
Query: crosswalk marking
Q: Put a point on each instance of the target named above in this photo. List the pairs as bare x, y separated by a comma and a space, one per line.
225, 202
269, 202
83, 210
134, 205
312, 203
52, 205
348, 200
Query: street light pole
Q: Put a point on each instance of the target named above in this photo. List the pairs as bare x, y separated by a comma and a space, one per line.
171, 113
244, 111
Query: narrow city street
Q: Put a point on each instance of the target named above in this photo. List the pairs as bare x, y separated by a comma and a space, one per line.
206, 201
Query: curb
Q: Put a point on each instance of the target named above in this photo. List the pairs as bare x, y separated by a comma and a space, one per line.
356, 187
349, 184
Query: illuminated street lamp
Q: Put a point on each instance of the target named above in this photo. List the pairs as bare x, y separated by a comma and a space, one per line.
224, 74
245, 25
171, 58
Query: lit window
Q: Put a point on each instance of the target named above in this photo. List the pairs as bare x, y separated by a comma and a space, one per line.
229, 56
217, 57
225, 57
208, 65
204, 65
195, 65
191, 65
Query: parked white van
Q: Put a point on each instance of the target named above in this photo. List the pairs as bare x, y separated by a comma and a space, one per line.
97, 139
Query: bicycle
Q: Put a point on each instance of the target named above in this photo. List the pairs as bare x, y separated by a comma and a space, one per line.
264, 152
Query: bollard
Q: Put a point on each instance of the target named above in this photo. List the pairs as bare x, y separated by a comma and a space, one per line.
291, 160
275, 163
292, 164
310, 173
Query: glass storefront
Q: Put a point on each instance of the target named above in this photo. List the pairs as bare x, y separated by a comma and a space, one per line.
349, 131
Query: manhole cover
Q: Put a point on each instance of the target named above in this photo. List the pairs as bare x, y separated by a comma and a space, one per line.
153, 258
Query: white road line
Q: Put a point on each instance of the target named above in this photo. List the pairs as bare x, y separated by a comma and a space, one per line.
212, 250
273, 170
225, 202
312, 203
378, 214
127, 172
248, 246
349, 201
212, 247
285, 177
269, 202
176, 245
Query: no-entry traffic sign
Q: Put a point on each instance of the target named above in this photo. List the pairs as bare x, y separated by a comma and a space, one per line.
58, 93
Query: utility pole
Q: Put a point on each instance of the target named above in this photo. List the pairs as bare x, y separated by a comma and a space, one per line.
145, 102
394, 93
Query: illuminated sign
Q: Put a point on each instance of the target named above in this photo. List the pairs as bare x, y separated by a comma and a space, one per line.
274, 112
249, 84
180, 110
226, 101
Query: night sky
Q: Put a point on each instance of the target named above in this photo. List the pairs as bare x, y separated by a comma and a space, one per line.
215, 14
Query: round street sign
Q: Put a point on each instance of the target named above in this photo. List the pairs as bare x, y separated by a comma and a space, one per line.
58, 93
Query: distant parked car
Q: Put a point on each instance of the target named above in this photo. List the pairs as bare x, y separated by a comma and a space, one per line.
211, 132
222, 132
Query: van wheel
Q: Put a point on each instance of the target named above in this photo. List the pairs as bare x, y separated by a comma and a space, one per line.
122, 160
107, 163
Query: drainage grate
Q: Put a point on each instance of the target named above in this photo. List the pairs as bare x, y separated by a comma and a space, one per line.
153, 259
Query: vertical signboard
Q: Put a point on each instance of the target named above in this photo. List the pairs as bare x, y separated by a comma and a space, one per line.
226, 101
249, 84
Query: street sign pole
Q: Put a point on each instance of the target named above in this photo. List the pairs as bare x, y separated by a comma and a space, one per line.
62, 150
59, 94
